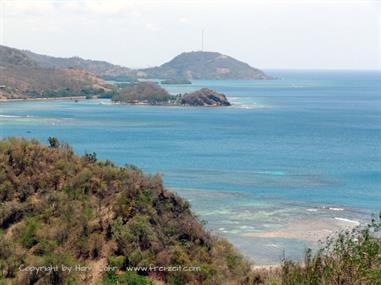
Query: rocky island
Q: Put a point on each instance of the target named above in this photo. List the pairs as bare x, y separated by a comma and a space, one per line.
151, 93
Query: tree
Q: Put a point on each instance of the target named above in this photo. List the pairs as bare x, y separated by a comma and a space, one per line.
91, 157
54, 142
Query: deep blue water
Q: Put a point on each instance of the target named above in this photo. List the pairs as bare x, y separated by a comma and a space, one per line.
310, 140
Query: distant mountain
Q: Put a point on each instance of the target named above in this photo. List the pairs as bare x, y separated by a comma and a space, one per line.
100, 68
22, 77
204, 65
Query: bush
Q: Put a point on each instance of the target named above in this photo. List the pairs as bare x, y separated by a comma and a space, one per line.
353, 257
28, 236
128, 278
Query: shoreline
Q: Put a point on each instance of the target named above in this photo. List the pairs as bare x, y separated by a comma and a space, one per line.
43, 99
71, 98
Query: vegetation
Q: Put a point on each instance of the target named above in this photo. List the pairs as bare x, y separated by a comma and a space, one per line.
176, 81
352, 257
24, 82
120, 78
26, 74
151, 93
102, 69
21, 77
204, 65
143, 92
58, 208
68, 92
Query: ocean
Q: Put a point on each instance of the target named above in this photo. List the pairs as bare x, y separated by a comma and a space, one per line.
290, 154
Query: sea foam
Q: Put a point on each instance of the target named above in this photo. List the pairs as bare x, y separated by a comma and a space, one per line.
348, 221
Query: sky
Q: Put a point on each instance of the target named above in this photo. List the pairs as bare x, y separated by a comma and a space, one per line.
324, 34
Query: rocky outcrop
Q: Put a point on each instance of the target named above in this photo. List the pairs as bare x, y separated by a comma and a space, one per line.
204, 97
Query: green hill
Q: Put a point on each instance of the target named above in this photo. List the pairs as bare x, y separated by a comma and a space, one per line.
58, 208
204, 65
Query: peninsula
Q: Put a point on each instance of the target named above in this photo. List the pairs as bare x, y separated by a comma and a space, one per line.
150, 93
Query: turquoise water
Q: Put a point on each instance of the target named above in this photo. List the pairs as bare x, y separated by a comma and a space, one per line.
304, 146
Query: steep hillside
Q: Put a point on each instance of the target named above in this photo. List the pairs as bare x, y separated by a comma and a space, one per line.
21, 77
204, 65
60, 209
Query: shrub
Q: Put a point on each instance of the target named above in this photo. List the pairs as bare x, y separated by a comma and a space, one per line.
353, 257
53, 142
128, 278
28, 236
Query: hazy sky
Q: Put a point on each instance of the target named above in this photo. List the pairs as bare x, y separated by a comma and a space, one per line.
267, 34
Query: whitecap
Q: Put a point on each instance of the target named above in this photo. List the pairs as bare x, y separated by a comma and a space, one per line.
348, 221
311, 210
272, 245
335, 209
106, 103
245, 106
245, 227
9, 116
